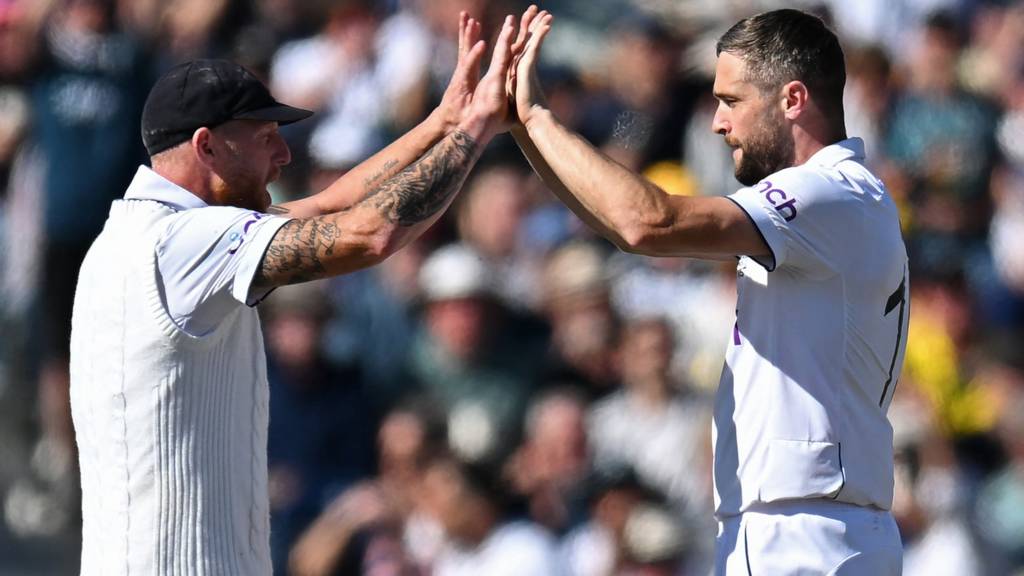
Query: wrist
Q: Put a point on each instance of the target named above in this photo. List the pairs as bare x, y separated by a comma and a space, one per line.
437, 122
480, 128
536, 114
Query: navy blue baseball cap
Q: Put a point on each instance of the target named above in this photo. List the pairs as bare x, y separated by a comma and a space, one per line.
207, 93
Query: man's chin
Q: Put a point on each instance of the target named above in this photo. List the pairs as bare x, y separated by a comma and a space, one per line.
746, 176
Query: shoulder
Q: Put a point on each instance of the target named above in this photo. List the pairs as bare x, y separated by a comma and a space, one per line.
212, 229
806, 187
211, 219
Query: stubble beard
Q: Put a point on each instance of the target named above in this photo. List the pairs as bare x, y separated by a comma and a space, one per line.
765, 152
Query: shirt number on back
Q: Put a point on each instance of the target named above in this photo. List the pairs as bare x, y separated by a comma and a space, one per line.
896, 299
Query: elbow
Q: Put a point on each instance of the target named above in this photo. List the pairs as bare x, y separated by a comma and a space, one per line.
638, 238
630, 240
378, 247
381, 245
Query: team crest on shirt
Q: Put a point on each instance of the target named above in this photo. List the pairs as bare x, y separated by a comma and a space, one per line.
237, 238
777, 197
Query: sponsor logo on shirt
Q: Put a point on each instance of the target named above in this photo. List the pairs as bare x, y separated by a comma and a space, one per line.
783, 204
237, 238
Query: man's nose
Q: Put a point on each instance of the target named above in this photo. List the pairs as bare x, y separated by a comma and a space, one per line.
283, 154
720, 124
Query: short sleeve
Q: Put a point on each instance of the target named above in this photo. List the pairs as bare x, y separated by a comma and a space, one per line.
208, 258
801, 218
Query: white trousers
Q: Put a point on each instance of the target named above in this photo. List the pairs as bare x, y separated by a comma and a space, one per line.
809, 537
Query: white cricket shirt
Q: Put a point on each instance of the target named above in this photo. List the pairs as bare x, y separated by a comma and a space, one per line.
169, 388
815, 355
207, 258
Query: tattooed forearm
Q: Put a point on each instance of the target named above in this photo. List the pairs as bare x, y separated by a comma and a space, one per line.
424, 188
385, 172
297, 252
311, 248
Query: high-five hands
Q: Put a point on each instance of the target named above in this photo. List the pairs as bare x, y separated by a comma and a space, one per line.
522, 85
470, 99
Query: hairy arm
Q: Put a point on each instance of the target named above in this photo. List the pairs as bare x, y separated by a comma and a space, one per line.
380, 223
628, 209
624, 207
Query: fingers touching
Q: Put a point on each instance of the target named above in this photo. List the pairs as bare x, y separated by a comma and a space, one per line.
539, 29
502, 56
524, 27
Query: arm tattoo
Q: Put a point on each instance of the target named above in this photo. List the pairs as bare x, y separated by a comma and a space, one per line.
296, 252
302, 248
425, 187
384, 173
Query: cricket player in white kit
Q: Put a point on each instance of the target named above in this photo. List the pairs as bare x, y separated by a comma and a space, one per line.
803, 450
168, 375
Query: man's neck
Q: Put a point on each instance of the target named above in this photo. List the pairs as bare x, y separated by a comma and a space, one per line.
189, 179
808, 143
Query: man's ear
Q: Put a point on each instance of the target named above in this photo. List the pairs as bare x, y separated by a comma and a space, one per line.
202, 146
795, 98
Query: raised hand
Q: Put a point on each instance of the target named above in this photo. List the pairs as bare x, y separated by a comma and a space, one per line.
490, 101
454, 107
522, 84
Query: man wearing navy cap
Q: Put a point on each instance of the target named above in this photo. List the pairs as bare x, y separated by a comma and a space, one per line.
168, 373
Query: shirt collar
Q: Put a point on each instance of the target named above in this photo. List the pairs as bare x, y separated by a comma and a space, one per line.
148, 185
849, 149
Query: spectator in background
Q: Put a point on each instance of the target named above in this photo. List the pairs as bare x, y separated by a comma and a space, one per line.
320, 439
490, 217
697, 298
648, 101
483, 535
628, 530
377, 527
86, 99
868, 97
997, 512
374, 323
657, 426
930, 494
940, 141
1003, 300
584, 324
474, 357
551, 465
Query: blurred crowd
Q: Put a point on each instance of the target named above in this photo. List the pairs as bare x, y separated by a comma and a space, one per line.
511, 395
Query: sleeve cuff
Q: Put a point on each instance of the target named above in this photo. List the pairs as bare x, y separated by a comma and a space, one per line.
246, 271
762, 217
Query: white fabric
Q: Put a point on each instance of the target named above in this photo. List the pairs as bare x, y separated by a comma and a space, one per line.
815, 355
514, 549
803, 538
171, 428
207, 258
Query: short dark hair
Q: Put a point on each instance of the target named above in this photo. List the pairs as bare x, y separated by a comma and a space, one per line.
785, 45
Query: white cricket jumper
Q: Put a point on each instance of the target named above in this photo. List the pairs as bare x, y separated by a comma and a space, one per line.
171, 427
